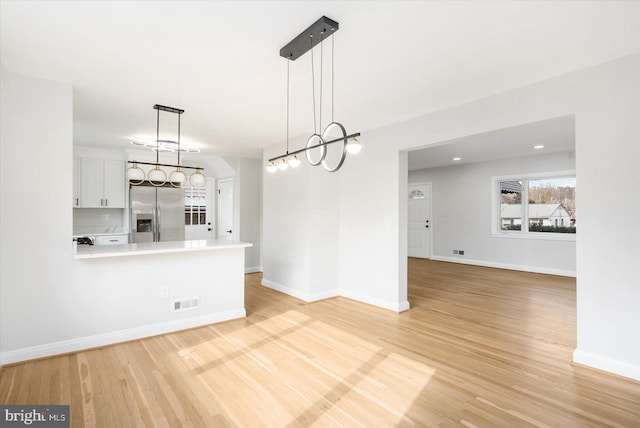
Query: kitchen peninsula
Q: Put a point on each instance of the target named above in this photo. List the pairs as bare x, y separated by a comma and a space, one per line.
131, 291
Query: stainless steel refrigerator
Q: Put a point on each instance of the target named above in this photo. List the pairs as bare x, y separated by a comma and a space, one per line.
156, 213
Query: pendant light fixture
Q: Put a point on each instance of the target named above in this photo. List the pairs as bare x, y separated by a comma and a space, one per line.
157, 176
135, 174
303, 43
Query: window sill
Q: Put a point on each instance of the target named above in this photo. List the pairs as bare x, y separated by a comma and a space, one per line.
549, 236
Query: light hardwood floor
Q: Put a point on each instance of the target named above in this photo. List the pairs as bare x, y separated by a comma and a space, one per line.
480, 347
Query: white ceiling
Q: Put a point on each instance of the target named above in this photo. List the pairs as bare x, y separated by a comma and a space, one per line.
556, 135
219, 60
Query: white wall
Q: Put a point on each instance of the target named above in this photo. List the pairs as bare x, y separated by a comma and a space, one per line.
605, 101
323, 221
461, 216
249, 209
370, 221
35, 213
303, 233
286, 229
51, 302
300, 229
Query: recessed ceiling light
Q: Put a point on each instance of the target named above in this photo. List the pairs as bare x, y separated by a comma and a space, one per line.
539, 146
456, 159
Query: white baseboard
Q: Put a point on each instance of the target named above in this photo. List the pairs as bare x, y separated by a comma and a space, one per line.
404, 306
307, 297
79, 344
548, 271
253, 269
607, 364
284, 289
314, 297
390, 305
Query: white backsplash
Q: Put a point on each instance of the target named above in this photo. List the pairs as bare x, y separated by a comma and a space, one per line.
97, 220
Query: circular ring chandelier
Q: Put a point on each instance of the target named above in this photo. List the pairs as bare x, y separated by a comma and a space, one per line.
303, 43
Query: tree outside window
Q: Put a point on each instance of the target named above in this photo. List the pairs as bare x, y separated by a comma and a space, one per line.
540, 204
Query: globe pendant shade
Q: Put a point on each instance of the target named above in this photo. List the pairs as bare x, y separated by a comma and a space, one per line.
157, 177
177, 178
197, 179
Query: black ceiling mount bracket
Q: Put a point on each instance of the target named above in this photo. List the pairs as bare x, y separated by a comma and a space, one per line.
168, 109
321, 29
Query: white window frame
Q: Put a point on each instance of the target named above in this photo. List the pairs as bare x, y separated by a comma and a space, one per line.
496, 229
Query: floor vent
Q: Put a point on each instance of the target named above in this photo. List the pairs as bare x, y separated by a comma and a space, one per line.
185, 304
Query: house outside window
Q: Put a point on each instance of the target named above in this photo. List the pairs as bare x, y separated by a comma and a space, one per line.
535, 205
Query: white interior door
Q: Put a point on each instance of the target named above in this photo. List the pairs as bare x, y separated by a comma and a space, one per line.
419, 237
225, 209
198, 212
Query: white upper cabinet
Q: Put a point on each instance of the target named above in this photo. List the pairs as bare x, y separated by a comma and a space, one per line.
92, 183
114, 184
102, 183
76, 182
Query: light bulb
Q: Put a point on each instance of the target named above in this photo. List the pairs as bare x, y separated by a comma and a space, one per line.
282, 165
294, 162
271, 167
353, 146
157, 177
135, 174
197, 179
177, 178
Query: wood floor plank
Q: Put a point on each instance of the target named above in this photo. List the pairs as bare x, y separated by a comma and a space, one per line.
480, 347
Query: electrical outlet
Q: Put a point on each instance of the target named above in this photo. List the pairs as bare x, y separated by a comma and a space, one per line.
455, 251
105, 217
164, 292
461, 252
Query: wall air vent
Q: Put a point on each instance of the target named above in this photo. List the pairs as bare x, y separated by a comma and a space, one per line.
185, 304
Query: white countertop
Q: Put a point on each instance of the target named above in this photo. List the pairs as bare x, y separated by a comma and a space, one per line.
100, 251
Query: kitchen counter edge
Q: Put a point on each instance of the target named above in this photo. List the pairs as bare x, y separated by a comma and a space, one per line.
102, 251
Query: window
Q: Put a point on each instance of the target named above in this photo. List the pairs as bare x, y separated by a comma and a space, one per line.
535, 205
511, 205
195, 205
416, 194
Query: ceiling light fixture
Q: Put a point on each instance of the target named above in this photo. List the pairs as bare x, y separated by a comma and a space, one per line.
157, 176
539, 146
165, 146
456, 159
297, 47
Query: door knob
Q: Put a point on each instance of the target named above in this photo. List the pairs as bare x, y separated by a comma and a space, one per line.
228, 231
209, 229
427, 226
